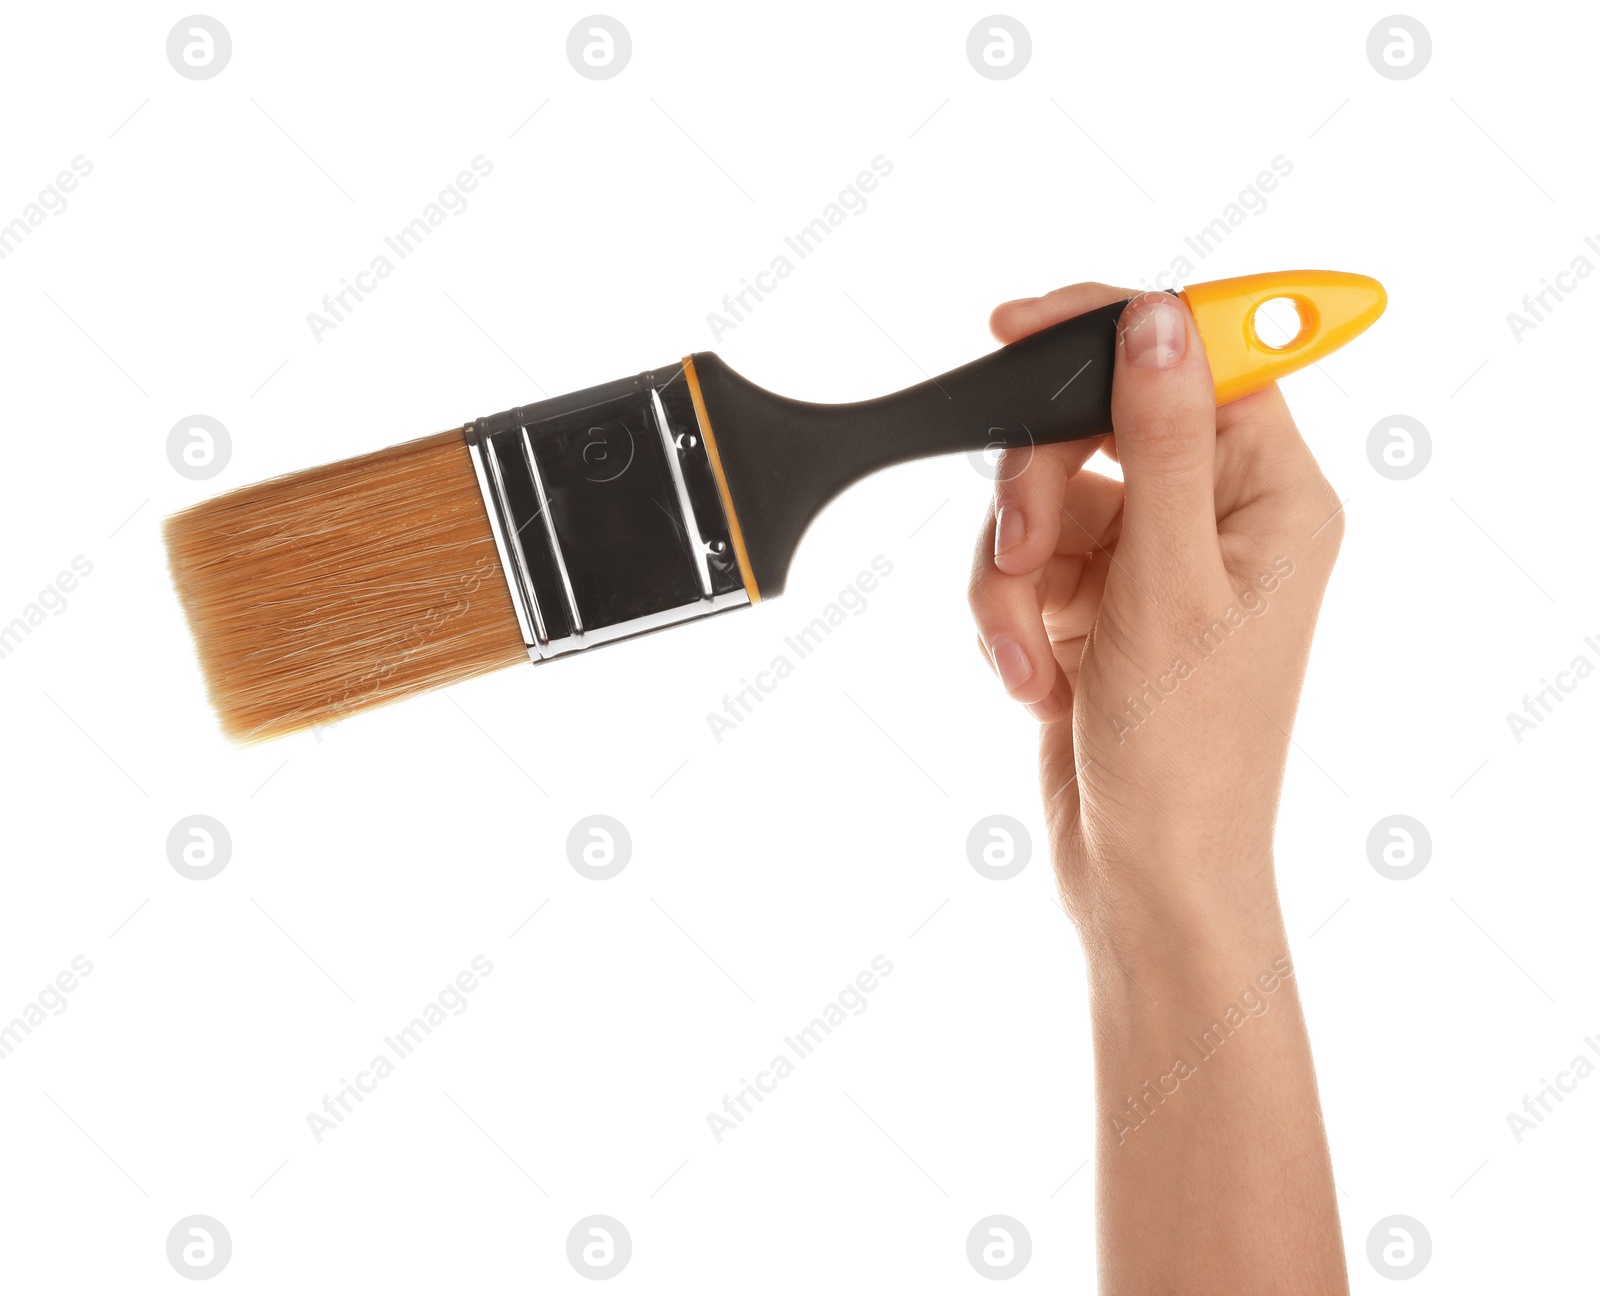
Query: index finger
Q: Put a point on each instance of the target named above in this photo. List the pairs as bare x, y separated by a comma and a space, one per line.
1027, 497
1016, 319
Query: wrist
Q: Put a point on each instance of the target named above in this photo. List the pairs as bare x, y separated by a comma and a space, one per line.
1179, 926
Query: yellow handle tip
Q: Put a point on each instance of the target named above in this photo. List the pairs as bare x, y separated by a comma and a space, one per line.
1333, 307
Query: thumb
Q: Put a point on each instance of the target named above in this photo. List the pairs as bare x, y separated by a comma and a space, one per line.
1163, 407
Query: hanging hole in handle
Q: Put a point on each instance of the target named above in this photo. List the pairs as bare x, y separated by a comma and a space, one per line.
1280, 322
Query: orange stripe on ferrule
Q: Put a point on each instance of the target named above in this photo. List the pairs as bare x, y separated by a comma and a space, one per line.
740, 553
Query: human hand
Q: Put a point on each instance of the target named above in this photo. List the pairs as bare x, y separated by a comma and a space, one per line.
1158, 629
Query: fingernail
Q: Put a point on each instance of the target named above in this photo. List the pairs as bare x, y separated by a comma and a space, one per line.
1153, 332
1009, 530
1047, 710
1011, 663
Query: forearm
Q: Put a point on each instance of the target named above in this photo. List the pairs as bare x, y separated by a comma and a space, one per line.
1214, 1173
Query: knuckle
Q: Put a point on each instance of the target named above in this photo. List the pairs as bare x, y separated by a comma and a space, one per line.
1012, 462
1332, 533
1171, 437
1323, 516
980, 591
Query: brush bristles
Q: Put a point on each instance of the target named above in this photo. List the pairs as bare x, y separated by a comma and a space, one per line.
329, 591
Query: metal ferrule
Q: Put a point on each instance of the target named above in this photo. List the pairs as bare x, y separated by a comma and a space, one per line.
605, 511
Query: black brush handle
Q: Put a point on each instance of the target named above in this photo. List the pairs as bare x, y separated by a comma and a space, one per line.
785, 459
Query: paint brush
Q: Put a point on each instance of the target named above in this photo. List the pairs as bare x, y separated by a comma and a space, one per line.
681, 492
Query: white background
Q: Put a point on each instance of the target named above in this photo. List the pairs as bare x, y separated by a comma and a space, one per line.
370, 864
